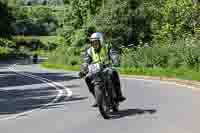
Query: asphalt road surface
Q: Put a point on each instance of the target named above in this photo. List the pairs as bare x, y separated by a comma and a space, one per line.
31, 104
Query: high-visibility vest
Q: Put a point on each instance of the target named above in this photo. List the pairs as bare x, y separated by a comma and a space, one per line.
103, 55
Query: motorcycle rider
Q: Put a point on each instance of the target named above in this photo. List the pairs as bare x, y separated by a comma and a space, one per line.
97, 53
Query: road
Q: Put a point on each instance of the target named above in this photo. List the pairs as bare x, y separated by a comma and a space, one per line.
28, 104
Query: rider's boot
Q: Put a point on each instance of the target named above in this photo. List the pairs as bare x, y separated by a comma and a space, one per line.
116, 82
121, 98
93, 93
94, 104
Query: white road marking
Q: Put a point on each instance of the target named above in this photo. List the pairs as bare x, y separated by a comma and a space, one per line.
69, 92
47, 81
163, 82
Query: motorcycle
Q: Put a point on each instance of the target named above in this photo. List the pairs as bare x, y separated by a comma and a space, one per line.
104, 89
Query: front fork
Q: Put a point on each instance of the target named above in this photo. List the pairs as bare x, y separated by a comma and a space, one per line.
103, 82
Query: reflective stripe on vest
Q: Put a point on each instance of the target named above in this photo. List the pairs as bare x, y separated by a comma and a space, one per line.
99, 57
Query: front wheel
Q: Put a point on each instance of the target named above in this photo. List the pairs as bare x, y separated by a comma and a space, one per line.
115, 108
101, 101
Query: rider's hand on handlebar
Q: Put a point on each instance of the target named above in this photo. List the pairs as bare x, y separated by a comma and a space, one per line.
81, 74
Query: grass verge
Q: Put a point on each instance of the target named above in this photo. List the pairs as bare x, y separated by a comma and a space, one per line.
60, 66
181, 73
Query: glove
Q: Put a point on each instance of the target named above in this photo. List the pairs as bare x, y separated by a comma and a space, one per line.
81, 74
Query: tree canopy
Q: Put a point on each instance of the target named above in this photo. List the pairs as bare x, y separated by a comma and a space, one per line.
122, 22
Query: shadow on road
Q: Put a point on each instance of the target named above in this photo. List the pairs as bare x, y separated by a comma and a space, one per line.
131, 112
17, 101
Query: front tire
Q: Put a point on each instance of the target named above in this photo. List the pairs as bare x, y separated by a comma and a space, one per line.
101, 101
115, 108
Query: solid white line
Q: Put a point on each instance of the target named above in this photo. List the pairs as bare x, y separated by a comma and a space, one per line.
163, 82
69, 92
47, 81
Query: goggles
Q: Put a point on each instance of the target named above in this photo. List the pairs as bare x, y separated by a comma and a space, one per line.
95, 42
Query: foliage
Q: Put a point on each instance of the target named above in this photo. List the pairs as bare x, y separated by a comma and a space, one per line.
163, 57
170, 27
67, 55
5, 52
6, 19
123, 22
4, 42
173, 19
40, 42
37, 20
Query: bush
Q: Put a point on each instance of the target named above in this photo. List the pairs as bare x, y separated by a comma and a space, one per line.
6, 48
193, 58
5, 52
65, 55
78, 39
39, 42
7, 43
162, 57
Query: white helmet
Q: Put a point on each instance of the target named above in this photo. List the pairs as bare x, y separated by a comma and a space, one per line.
97, 36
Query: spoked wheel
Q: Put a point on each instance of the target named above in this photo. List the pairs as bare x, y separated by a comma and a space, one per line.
102, 105
115, 103
115, 108
104, 109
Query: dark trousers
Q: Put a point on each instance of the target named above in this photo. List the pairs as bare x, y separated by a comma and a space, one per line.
115, 80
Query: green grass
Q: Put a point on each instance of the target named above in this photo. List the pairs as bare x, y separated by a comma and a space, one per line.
59, 66
181, 73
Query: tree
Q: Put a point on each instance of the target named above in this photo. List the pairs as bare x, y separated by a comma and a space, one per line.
35, 20
173, 19
6, 19
123, 22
